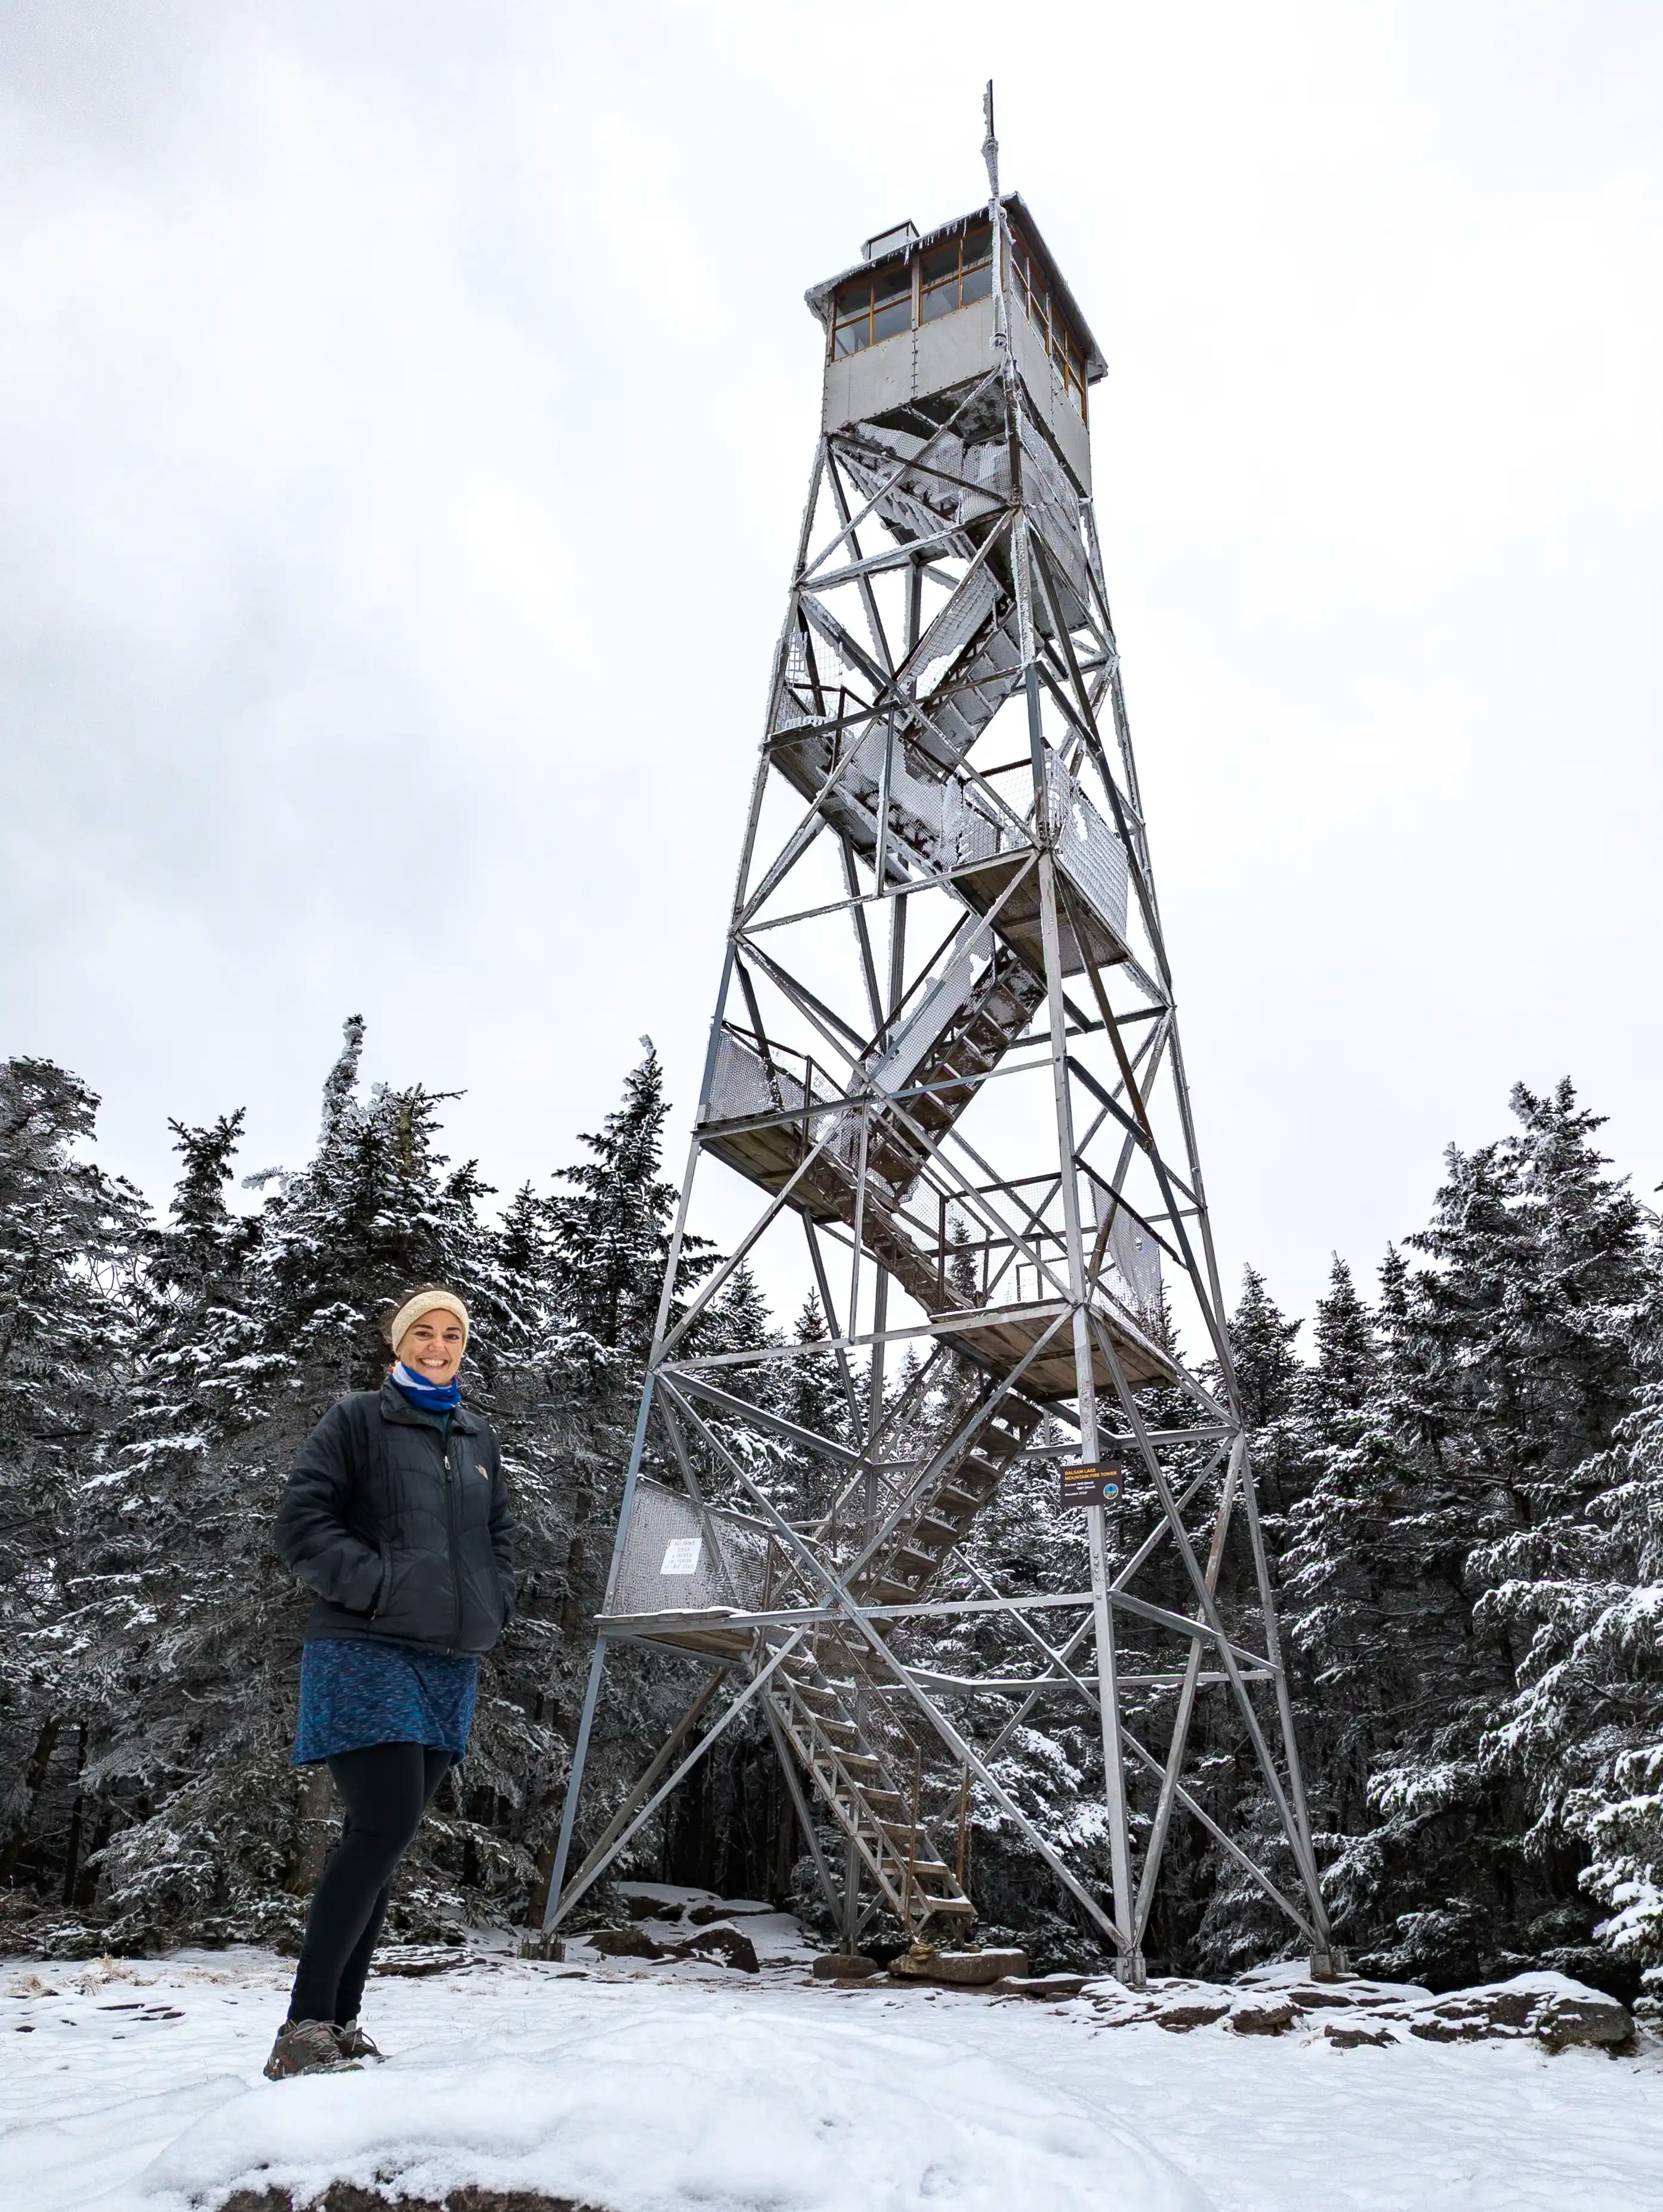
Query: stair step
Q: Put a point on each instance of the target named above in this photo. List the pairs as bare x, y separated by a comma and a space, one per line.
907, 1553
941, 1534
905, 1840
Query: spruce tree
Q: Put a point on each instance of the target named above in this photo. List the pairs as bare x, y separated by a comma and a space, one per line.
1514, 1356
190, 1625
1338, 1619
1580, 1595
815, 1398
67, 1236
609, 1229
184, 1620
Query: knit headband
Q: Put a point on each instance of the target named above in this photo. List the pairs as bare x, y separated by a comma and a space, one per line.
425, 1302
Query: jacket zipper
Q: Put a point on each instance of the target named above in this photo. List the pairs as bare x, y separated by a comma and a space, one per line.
454, 1535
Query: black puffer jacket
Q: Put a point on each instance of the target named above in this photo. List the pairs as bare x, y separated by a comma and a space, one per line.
403, 1533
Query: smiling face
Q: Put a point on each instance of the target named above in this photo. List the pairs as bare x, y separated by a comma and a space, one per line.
432, 1348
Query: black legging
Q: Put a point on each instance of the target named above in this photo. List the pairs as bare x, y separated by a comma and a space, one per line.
385, 1790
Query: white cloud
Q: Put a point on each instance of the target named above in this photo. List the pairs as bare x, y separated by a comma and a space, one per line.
408, 411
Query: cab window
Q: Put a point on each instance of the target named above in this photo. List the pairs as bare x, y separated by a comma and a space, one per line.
958, 273
1066, 354
870, 308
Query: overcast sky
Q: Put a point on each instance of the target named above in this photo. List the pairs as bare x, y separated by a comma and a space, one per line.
407, 410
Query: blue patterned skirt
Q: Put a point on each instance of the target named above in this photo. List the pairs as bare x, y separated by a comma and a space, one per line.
357, 1692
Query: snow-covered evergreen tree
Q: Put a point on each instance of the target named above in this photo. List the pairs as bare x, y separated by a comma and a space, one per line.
182, 1621
187, 1627
1340, 1620
1465, 1488
1511, 1359
814, 1398
1579, 1596
1268, 1377
67, 1234
610, 1228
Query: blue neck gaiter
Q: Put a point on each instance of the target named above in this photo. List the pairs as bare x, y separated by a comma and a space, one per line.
431, 1397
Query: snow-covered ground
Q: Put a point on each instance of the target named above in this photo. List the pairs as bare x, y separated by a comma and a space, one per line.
686, 2088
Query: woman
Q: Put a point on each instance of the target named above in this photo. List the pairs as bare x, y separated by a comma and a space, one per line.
396, 1515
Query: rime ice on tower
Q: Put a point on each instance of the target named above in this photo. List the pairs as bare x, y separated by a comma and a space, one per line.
944, 1070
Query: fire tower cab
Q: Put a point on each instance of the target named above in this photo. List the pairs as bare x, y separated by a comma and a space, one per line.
911, 331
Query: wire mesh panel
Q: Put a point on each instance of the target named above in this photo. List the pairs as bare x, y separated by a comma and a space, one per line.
970, 607
1091, 855
742, 1083
1137, 1260
676, 1559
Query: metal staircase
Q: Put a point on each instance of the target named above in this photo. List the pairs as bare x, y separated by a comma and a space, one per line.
832, 1717
802, 1141
865, 1764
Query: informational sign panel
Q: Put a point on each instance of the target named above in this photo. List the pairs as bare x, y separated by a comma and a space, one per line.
1088, 1482
681, 1556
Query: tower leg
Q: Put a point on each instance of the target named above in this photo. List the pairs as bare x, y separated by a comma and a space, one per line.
1130, 1963
574, 1781
1326, 1961
851, 1936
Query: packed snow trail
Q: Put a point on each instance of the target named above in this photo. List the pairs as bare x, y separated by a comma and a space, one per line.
690, 2089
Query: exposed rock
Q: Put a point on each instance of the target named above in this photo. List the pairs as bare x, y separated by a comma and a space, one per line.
699, 1916
967, 1970
1292, 1976
1054, 1986
412, 1965
627, 1944
1309, 1997
721, 1942
1558, 2011
1589, 2017
1357, 2035
1470, 2025
348, 2196
1115, 2005
1269, 2015
1180, 2015
844, 1967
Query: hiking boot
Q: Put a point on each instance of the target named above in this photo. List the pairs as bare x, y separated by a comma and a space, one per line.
352, 2042
303, 2046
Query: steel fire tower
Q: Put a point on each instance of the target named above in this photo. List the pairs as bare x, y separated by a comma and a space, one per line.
944, 1063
